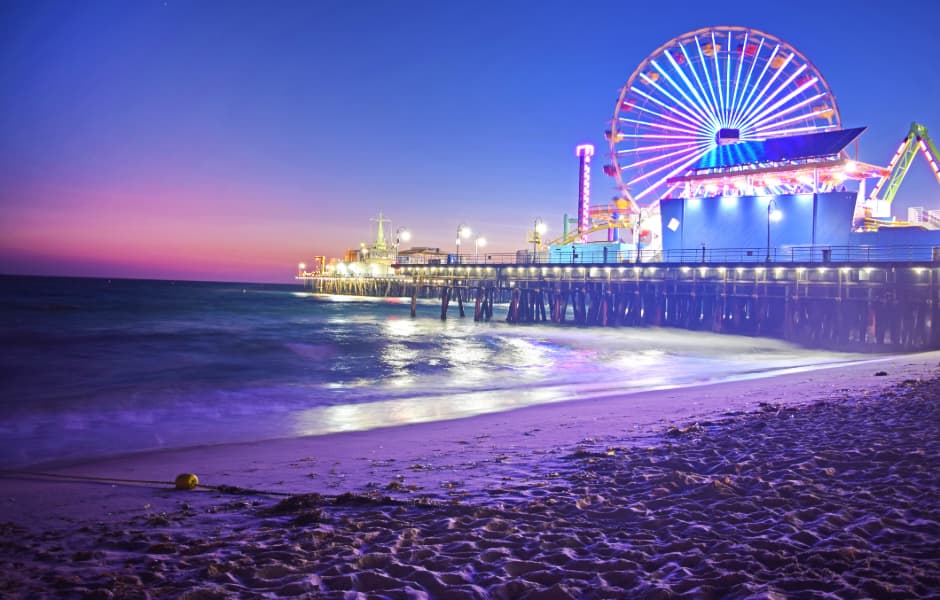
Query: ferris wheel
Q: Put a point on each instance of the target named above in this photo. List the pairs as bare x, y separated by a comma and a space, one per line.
708, 87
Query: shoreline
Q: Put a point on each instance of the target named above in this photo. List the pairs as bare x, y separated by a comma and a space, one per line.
272, 463
586, 394
510, 461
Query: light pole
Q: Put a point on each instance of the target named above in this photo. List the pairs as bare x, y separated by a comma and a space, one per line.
537, 230
462, 232
479, 242
772, 215
401, 235
300, 268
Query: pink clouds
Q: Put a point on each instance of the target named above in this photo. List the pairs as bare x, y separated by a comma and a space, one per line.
128, 231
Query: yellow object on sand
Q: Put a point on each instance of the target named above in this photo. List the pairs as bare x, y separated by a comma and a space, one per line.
186, 481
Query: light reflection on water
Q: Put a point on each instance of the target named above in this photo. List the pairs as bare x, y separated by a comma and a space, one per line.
162, 366
404, 411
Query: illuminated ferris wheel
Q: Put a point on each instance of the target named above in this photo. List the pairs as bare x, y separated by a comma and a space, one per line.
709, 87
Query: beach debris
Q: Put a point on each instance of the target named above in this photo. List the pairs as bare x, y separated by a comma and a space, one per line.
881, 374
677, 431
186, 481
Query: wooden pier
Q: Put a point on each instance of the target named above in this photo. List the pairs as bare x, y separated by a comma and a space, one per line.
879, 307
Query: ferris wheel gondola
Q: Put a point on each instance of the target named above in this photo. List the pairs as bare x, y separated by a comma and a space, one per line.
710, 87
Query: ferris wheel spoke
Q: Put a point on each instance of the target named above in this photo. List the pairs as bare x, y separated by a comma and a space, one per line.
745, 107
660, 157
728, 74
737, 78
657, 136
721, 97
690, 121
769, 121
711, 115
688, 112
758, 102
672, 173
669, 190
653, 148
657, 125
698, 150
713, 108
747, 81
698, 109
760, 111
708, 78
660, 115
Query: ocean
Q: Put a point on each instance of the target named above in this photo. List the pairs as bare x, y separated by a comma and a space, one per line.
99, 367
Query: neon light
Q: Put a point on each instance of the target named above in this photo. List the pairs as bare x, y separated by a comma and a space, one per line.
755, 106
691, 122
783, 100
696, 150
718, 77
790, 109
688, 111
698, 80
679, 111
697, 153
694, 158
702, 113
660, 115
584, 150
728, 73
737, 79
662, 156
747, 81
708, 78
747, 103
670, 190
712, 116
658, 125
654, 148
659, 136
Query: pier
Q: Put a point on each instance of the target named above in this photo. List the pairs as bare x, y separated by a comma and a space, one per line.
876, 306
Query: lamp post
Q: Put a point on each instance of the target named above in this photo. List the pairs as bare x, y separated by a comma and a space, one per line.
772, 215
479, 242
401, 235
300, 269
462, 232
538, 228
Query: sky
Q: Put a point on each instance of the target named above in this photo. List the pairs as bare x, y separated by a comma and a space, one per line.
231, 140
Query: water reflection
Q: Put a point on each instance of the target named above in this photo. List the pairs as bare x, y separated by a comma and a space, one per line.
404, 411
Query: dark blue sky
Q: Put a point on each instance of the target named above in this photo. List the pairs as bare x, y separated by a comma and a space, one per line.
228, 140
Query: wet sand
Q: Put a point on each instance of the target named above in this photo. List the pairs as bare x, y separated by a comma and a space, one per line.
815, 484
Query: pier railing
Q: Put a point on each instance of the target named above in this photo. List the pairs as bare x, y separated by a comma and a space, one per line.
784, 254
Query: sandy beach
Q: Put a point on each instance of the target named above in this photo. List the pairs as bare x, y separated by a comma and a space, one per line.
818, 483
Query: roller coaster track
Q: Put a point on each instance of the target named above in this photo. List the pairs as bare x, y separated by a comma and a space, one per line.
917, 138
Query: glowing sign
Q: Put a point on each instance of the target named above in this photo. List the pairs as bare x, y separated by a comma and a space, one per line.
585, 152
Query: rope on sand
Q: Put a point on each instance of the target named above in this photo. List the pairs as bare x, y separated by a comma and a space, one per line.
189, 481
183, 481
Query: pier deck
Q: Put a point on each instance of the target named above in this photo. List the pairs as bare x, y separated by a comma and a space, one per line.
850, 306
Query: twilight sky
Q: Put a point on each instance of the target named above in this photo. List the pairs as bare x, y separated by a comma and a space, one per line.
230, 140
